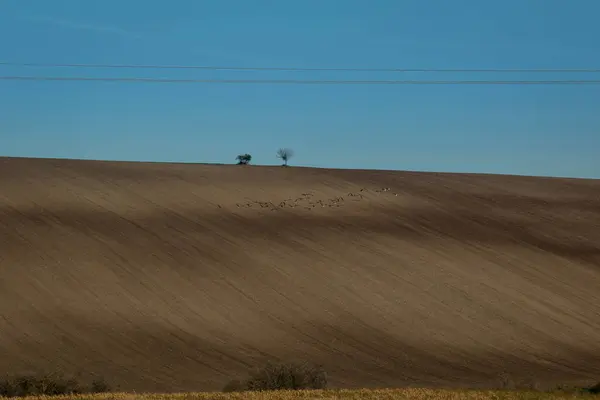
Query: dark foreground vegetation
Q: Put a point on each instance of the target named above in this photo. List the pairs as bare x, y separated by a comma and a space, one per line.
272, 377
594, 389
48, 385
290, 376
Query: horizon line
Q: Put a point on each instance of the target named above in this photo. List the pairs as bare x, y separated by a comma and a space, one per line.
130, 161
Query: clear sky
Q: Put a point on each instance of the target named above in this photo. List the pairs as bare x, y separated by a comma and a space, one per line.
531, 130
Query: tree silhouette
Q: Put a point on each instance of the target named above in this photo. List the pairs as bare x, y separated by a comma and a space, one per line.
285, 155
244, 159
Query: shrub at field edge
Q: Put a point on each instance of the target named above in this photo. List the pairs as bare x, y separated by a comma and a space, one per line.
288, 376
47, 385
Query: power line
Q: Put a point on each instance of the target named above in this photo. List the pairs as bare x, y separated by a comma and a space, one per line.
301, 82
237, 68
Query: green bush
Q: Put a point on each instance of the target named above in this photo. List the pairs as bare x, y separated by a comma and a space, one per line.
290, 376
47, 385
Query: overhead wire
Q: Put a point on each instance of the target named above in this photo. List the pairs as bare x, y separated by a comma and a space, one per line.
302, 82
296, 81
333, 69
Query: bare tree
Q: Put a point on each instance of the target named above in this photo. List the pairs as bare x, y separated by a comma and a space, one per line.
285, 155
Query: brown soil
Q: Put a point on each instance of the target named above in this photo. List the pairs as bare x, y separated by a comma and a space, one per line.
170, 277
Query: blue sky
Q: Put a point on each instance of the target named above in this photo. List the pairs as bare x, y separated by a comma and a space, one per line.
530, 130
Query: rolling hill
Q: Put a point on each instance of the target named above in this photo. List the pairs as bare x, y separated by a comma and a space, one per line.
174, 277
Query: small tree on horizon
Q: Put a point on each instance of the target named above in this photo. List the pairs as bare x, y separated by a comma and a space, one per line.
285, 155
244, 159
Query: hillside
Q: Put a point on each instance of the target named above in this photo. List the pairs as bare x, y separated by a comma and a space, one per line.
177, 277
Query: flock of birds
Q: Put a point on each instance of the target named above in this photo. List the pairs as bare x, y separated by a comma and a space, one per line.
308, 201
